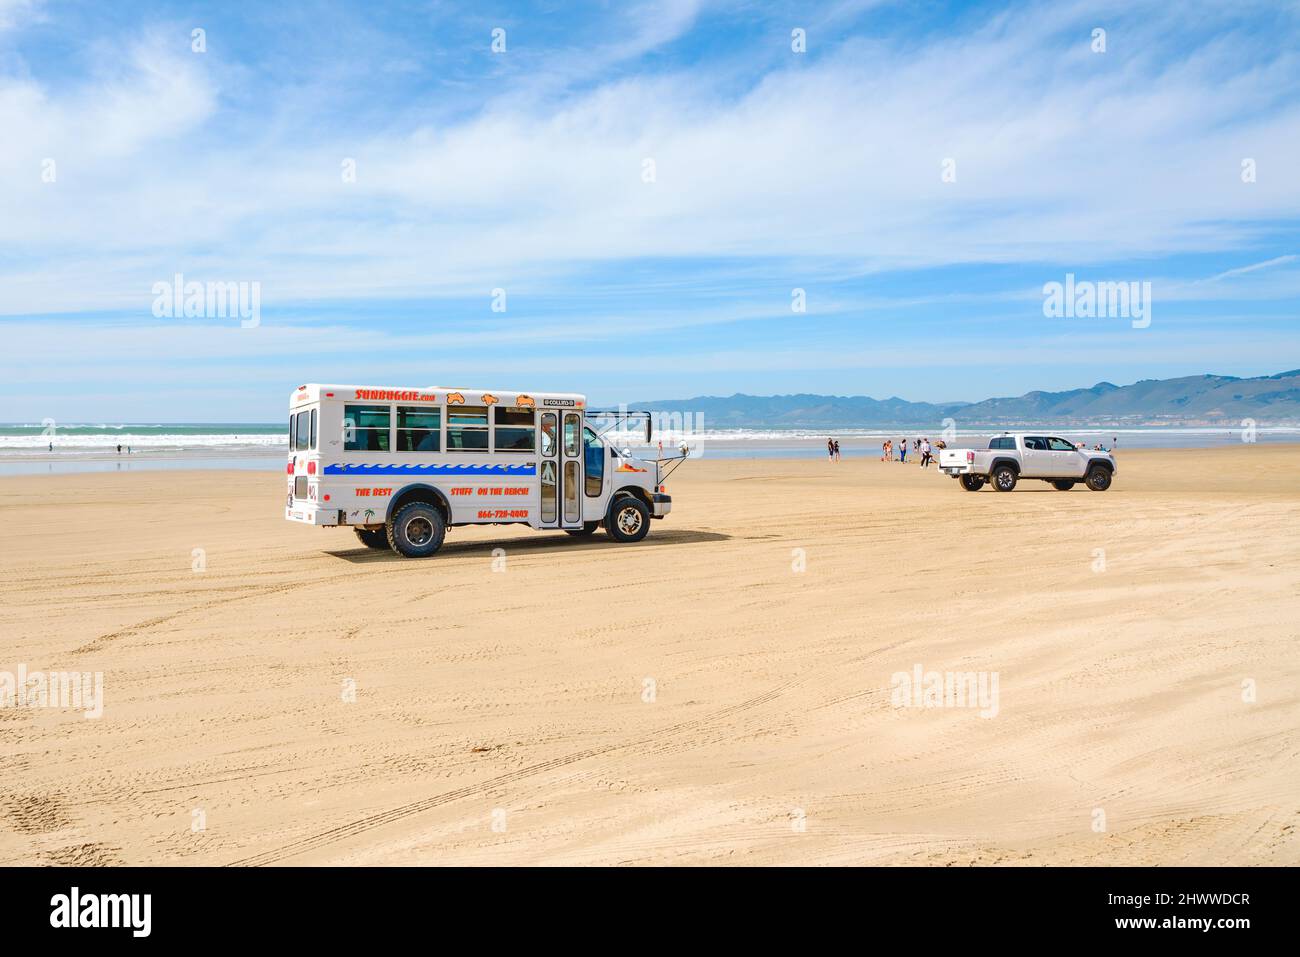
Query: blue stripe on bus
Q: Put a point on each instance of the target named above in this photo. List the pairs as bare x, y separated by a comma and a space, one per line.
350, 469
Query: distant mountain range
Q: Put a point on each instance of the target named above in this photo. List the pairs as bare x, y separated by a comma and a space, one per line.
1208, 400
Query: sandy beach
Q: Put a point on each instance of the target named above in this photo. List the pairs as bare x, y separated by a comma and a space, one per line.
723, 692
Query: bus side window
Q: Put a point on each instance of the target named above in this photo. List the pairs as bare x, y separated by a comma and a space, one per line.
365, 428
313, 430
514, 430
595, 462
419, 429
467, 428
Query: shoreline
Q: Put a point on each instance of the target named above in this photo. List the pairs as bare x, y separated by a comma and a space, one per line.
767, 452
857, 446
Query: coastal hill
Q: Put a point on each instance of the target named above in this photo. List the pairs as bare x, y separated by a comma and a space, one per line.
1207, 400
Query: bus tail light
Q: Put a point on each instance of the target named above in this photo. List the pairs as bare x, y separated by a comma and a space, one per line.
311, 468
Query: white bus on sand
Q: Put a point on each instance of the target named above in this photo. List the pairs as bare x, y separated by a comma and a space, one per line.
402, 465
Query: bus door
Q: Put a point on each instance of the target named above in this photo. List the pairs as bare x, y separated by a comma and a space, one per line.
560, 481
571, 481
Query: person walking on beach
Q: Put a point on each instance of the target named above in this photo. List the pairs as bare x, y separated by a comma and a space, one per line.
925, 453
119, 448
902, 451
830, 449
837, 450
884, 450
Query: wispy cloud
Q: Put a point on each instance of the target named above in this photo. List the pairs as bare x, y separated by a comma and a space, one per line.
528, 169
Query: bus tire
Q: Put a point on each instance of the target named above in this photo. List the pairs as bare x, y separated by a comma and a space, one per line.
1004, 478
629, 519
1098, 478
1062, 485
372, 537
972, 483
587, 529
417, 530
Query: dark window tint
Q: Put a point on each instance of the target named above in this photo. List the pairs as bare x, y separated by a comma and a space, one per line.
595, 462
365, 428
514, 430
1035, 443
467, 428
1005, 442
313, 429
419, 429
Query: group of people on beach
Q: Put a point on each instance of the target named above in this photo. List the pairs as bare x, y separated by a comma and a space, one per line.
921, 447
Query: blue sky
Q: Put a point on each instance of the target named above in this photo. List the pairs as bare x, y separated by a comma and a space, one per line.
525, 170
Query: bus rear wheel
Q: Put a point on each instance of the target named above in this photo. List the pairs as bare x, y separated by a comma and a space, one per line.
629, 520
417, 530
372, 537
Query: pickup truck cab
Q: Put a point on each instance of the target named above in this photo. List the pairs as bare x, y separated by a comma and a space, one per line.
1011, 457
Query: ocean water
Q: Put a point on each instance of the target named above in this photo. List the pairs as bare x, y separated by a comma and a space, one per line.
25, 448
173, 437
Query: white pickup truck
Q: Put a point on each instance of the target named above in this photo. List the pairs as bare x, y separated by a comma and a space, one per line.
1011, 457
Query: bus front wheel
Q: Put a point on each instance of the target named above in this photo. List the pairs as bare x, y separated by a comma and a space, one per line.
629, 520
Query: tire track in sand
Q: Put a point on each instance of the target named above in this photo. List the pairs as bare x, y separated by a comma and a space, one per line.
654, 740
362, 825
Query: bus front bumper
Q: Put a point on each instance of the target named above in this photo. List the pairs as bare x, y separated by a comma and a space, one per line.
663, 504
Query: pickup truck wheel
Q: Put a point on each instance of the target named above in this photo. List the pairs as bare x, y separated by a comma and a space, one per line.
372, 537
417, 530
629, 520
972, 483
1004, 478
1098, 478
1063, 485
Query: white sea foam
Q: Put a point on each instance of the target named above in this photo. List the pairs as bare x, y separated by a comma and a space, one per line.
153, 442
